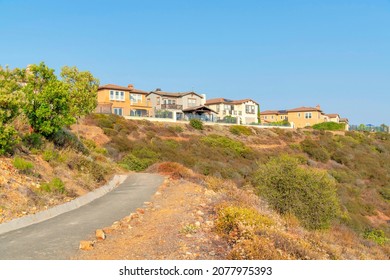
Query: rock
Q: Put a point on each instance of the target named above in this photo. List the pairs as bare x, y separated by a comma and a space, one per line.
86, 245
157, 193
212, 253
108, 230
141, 211
197, 224
147, 203
100, 235
134, 216
210, 223
199, 213
188, 235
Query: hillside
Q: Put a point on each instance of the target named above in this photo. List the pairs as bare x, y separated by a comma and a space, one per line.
230, 172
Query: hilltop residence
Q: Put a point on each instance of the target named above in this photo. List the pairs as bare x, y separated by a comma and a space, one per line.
179, 105
243, 111
346, 122
305, 116
333, 118
122, 101
272, 116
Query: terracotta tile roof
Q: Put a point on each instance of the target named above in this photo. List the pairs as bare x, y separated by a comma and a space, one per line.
116, 87
344, 120
332, 115
304, 109
274, 112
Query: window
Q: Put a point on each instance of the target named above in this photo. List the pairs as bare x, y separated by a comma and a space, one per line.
158, 100
308, 115
265, 117
299, 115
240, 113
191, 102
135, 98
218, 108
250, 109
117, 95
272, 117
169, 101
118, 111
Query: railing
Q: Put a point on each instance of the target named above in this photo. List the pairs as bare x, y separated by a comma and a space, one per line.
171, 106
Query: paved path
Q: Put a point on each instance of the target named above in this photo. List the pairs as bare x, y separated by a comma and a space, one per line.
59, 237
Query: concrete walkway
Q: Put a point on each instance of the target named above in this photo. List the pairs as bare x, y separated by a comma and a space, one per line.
59, 237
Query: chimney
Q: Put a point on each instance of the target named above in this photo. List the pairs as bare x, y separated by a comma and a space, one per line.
318, 107
130, 86
158, 89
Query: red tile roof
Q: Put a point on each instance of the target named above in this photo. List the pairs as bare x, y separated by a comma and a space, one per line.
332, 115
116, 87
305, 109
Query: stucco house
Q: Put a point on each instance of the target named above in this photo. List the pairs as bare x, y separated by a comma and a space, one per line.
305, 116
333, 118
123, 101
179, 105
271, 116
245, 111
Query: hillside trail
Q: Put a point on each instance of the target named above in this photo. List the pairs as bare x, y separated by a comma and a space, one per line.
177, 224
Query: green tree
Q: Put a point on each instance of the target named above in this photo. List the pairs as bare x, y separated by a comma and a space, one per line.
82, 90
361, 127
47, 105
309, 194
10, 96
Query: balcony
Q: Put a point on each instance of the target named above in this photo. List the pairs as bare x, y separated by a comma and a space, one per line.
171, 107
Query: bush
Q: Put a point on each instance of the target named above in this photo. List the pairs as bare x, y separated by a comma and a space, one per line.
376, 235
175, 129
197, 124
314, 150
239, 129
33, 140
54, 186
308, 194
64, 138
8, 139
240, 223
131, 162
50, 155
22, 165
87, 165
329, 126
229, 145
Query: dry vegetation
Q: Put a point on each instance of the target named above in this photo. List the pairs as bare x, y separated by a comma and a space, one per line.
233, 163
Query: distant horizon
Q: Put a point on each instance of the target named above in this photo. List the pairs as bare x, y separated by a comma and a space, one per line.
282, 54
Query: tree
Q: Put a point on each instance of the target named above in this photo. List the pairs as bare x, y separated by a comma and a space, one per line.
82, 90
46, 100
10, 96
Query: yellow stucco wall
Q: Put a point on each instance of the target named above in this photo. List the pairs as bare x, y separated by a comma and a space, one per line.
300, 121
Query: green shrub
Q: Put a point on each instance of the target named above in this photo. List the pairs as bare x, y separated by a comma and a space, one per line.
376, 235
88, 166
131, 162
50, 155
64, 138
308, 194
329, 126
8, 139
197, 124
175, 128
54, 186
33, 140
239, 129
230, 146
22, 165
314, 150
385, 192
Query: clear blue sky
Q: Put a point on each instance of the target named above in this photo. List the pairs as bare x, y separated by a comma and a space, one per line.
281, 53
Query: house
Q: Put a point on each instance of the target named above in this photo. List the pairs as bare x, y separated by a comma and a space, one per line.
272, 116
333, 118
305, 116
243, 111
123, 101
346, 122
179, 105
